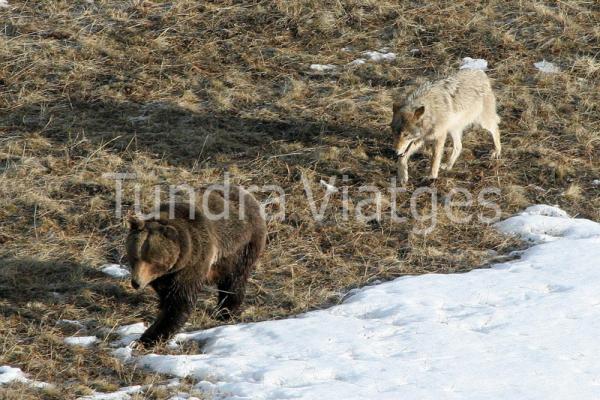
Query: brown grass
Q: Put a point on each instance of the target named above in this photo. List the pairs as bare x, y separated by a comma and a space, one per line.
180, 92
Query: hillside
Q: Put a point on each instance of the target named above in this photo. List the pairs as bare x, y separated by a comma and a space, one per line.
184, 92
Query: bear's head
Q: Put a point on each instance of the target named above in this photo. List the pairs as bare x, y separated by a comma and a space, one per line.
152, 250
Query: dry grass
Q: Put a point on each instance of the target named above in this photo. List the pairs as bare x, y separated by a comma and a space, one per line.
180, 92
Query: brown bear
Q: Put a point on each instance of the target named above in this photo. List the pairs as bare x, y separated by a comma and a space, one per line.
187, 246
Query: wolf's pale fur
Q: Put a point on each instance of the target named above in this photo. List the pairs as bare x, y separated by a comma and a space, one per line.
444, 107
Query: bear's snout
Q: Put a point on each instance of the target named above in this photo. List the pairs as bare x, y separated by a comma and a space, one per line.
142, 273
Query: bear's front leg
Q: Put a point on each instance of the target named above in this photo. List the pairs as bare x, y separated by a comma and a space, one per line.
175, 310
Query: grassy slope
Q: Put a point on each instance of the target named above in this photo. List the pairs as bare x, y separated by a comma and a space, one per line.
181, 92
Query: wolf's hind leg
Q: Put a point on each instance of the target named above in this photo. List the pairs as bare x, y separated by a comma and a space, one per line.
498, 147
493, 129
456, 149
489, 121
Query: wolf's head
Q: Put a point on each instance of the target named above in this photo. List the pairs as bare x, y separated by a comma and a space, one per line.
152, 248
406, 127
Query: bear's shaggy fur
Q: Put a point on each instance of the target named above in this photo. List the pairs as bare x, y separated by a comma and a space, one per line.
176, 256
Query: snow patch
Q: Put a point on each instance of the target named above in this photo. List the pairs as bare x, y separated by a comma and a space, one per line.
471, 63
183, 396
546, 210
379, 56
137, 328
545, 223
115, 270
525, 328
330, 188
522, 329
322, 67
128, 334
546, 67
358, 61
9, 374
121, 394
71, 323
126, 392
81, 341
123, 353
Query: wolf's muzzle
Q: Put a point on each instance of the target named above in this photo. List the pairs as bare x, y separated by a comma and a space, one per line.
402, 154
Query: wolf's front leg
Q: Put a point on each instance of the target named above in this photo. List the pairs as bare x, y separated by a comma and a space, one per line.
403, 170
438, 151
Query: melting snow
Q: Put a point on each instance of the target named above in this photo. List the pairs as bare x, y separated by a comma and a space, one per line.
71, 323
115, 270
133, 329
126, 392
123, 353
358, 61
121, 394
375, 56
183, 396
546, 224
322, 67
128, 334
330, 188
547, 67
9, 374
522, 329
548, 211
379, 56
81, 341
471, 63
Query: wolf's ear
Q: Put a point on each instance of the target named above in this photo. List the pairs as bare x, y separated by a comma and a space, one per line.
396, 106
135, 223
419, 113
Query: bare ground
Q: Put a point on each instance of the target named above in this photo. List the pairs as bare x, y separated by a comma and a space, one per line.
185, 91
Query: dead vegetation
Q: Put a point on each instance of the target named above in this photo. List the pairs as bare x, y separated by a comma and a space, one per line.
184, 91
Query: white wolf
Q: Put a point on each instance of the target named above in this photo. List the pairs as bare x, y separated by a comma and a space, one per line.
446, 106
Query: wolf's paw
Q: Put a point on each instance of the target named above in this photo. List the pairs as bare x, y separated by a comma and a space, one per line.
432, 180
402, 180
495, 155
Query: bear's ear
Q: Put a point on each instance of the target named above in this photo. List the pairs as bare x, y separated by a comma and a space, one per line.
135, 223
419, 113
169, 232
